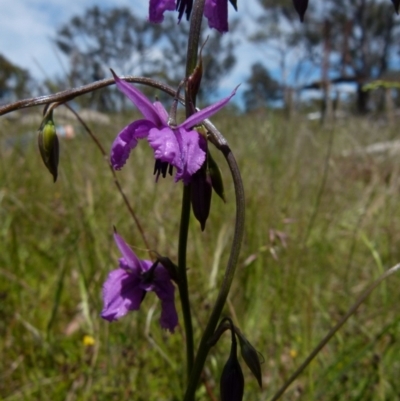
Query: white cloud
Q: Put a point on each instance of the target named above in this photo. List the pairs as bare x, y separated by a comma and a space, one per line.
27, 26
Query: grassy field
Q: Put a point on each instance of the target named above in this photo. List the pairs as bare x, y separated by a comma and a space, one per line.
319, 228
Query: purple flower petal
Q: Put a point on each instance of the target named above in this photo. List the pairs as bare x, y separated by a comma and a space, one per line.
169, 317
180, 146
216, 12
165, 290
131, 261
161, 112
201, 115
126, 287
126, 140
121, 293
192, 150
139, 100
157, 8
165, 145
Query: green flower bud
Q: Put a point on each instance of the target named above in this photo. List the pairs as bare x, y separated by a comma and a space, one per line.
232, 380
48, 144
250, 356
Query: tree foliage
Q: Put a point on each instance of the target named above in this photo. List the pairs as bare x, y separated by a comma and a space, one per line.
115, 38
262, 89
350, 40
100, 39
15, 82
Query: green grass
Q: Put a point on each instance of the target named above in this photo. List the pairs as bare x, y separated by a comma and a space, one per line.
342, 227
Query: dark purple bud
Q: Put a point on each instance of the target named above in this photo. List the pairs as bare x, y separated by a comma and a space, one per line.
301, 7
48, 144
216, 177
232, 380
396, 4
250, 356
201, 195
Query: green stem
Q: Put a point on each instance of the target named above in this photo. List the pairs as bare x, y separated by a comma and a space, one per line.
194, 36
182, 282
205, 346
191, 60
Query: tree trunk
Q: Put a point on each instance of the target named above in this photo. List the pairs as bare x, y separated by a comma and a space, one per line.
362, 99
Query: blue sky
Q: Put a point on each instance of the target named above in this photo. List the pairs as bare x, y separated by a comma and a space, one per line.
27, 26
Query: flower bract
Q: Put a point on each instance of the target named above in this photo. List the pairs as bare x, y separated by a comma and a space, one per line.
126, 287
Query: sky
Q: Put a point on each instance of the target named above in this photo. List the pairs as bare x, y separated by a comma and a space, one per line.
27, 27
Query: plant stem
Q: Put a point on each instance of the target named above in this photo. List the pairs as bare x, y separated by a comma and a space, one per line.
191, 60
194, 36
204, 346
182, 282
69, 94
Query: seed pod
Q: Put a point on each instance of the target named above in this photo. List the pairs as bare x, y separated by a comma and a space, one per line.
48, 144
232, 380
301, 7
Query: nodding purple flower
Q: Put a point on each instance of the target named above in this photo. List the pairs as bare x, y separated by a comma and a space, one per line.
216, 11
126, 287
178, 146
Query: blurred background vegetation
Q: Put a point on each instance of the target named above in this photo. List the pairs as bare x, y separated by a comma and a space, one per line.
322, 222
322, 184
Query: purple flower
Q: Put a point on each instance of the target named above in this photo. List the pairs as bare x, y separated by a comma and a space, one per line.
216, 11
179, 146
126, 287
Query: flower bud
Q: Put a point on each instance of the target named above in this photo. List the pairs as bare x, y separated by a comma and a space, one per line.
216, 177
250, 356
201, 193
301, 7
232, 380
48, 144
396, 4
194, 79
